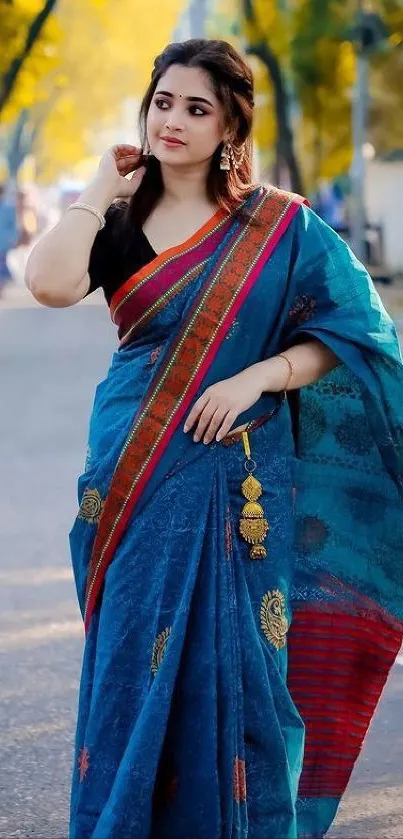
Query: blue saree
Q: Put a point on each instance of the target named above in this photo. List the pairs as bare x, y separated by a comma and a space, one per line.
224, 697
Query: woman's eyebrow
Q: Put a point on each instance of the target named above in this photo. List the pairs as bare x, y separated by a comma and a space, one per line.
188, 98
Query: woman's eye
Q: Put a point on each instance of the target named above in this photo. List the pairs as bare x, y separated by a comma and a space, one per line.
194, 110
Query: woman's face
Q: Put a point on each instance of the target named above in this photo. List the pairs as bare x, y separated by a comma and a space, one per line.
184, 108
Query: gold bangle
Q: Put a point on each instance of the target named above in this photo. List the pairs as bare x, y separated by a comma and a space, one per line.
282, 355
79, 205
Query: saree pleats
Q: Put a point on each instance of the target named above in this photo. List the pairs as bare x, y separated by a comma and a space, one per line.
224, 697
179, 639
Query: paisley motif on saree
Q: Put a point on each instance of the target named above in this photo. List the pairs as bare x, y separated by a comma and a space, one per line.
230, 275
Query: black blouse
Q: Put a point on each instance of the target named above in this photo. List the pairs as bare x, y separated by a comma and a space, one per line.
113, 261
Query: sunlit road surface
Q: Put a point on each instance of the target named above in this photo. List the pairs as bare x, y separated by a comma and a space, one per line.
50, 362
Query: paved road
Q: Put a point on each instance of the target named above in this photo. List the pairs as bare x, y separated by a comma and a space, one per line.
50, 362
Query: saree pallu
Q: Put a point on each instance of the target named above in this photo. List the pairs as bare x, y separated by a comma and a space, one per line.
223, 697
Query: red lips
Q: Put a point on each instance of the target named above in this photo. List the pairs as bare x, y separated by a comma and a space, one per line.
173, 140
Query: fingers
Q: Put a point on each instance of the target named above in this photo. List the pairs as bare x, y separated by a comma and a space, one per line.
127, 164
133, 183
125, 148
226, 425
211, 421
138, 174
219, 418
210, 418
129, 168
197, 409
127, 156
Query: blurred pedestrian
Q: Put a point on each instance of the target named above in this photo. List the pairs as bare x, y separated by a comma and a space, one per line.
329, 204
8, 232
27, 218
242, 599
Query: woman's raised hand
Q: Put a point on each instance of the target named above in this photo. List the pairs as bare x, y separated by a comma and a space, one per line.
115, 164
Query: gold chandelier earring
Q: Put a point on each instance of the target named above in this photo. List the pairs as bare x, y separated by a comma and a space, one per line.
229, 159
225, 161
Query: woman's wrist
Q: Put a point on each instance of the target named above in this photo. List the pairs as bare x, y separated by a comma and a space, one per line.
273, 374
99, 194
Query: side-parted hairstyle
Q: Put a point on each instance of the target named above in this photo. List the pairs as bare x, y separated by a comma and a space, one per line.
232, 82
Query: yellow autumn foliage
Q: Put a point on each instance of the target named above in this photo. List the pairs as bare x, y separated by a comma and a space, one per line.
92, 57
318, 63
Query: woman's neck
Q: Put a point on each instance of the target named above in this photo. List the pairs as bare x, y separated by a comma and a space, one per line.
189, 186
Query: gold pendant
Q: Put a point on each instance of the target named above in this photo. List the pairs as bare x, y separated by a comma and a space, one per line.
253, 526
251, 488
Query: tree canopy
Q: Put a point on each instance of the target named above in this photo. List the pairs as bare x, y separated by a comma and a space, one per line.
307, 55
87, 61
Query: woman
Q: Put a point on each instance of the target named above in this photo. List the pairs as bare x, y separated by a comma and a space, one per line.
241, 598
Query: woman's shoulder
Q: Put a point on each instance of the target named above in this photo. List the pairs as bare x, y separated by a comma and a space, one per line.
285, 196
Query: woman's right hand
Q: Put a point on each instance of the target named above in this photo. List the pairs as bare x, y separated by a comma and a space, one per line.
117, 162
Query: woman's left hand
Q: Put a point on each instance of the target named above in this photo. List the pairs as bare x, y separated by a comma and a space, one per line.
217, 410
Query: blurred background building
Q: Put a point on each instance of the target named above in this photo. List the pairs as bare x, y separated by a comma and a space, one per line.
329, 105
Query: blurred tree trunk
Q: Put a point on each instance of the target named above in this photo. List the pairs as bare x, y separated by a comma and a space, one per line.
24, 132
285, 150
8, 81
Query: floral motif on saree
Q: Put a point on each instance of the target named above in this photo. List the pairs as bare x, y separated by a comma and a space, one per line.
83, 763
273, 619
91, 506
239, 780
228, 535
159, 649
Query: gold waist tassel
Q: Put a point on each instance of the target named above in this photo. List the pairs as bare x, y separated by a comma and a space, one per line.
253, 526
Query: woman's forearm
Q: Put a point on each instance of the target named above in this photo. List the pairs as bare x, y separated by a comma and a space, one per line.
57, 266
309, 361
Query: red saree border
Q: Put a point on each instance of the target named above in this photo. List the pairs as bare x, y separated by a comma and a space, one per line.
351, 648
146, 273
191, 355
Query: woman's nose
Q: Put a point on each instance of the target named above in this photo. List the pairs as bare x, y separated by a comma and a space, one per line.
174, 121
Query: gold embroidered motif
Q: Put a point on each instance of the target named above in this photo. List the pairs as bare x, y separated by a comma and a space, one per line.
272, 618
83, 763
159, 649
228, 536
91, 506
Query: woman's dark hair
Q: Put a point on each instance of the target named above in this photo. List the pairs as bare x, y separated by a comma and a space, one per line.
232, 82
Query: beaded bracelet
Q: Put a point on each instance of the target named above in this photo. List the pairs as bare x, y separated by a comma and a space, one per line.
80, 206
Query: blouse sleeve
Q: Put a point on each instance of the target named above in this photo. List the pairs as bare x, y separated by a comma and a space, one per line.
104, 253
